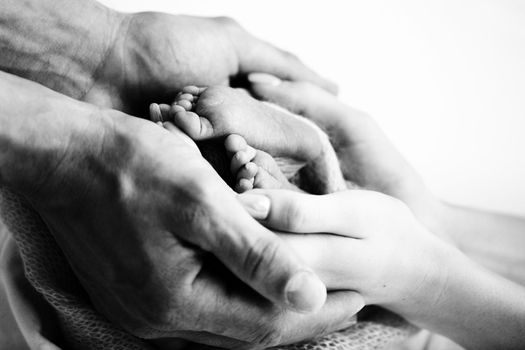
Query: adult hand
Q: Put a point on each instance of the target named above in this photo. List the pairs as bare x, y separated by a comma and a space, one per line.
126, 61
156, 238
367, 157
156, 54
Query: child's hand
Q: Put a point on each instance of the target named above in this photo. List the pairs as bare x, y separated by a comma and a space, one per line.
367, 157
375, 246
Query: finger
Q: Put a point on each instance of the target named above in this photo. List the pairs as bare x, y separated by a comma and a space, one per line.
340, 262
312, 102
193, 125
338, 313
254, 254
298, 212
302, 98
235, 314
260, 56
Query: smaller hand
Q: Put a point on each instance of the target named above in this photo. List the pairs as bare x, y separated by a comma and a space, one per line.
367, 157
375, 246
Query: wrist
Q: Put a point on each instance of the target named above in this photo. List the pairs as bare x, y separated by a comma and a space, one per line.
435, 215
441, 269
58, 43
472, 306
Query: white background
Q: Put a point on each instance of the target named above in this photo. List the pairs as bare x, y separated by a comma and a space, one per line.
445, 79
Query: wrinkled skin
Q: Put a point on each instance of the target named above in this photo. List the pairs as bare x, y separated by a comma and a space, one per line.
144, 243
142, 217
155, 54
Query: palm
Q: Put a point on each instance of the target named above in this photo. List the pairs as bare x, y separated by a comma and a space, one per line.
157, 54
147, 66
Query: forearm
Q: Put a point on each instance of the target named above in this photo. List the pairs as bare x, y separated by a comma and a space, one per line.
38, 129
58, 43
475, 307
495, 241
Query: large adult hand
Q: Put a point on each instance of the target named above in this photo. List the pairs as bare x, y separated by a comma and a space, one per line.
156, 54
126, 61
157, 239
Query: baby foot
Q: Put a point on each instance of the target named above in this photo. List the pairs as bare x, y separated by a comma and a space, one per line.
253, 168
220, 111
214, 112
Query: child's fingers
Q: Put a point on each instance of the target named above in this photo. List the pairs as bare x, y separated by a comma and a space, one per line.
347, 213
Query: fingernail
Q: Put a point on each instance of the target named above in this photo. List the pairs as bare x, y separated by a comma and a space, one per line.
263, 78
154, 113
305, 292
257, 205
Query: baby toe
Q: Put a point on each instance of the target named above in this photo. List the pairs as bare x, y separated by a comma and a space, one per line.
241, 158
244, 185
248, 171
154, 113
187, 97
192, 89
159, 112
176, 108
194, 126
187, 105
263, 179
235, 143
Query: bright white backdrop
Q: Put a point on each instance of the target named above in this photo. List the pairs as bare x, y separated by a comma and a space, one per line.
445, 79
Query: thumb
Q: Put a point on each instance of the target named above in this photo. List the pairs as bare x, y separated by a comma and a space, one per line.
344, 213
262, 260
260, 56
